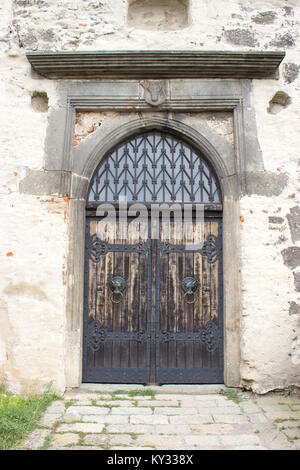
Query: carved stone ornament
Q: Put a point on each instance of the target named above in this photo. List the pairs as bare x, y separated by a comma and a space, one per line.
155, 91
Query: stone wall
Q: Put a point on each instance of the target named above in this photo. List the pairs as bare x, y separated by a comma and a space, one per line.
34, 227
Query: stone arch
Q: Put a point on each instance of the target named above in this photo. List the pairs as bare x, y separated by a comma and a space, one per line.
217, 152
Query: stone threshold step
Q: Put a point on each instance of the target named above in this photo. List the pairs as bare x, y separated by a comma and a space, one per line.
163, 389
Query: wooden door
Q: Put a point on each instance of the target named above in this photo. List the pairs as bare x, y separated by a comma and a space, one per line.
116, 326
154, 331
189, 347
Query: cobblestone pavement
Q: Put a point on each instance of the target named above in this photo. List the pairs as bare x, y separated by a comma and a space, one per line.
154, 418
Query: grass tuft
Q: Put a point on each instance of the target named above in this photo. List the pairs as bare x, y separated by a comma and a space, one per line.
231, 395
47, 442
19, 416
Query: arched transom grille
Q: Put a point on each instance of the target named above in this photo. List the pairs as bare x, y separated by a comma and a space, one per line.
154, 167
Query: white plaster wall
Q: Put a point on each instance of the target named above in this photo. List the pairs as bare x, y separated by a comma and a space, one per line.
32, 233
270, 333
34, 230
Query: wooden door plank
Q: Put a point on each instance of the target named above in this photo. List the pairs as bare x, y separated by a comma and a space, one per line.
198, 239
180, 309
109, 311
172, 302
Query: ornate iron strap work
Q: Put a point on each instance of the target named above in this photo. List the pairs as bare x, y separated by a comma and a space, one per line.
155, 167
210, 335
97, 335
96, 247
210, 248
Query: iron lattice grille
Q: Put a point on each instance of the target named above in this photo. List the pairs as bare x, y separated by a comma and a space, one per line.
155, 167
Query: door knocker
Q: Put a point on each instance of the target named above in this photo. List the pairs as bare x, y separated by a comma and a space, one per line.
117, 286
189, 287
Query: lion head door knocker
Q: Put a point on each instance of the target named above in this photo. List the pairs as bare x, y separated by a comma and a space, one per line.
189, 287
117, 286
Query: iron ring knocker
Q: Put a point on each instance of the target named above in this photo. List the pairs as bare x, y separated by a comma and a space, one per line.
189, 293
117, 286
116, 301
190, 287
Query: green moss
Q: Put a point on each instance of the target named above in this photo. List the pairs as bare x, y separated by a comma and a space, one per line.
47, 442
280, 420
70, 403
135, 393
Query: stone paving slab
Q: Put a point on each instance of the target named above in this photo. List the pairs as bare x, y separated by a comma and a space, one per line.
64, 440
190, 419
258, 418
230, 418
81, 428
148, 419
175, 411
172, 418
107, 419
131, 411
88, 410
36, 439
206, 429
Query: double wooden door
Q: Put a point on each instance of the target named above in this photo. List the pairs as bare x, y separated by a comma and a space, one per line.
153, 305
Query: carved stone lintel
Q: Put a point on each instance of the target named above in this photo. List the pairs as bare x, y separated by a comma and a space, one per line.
155, 91
155, 64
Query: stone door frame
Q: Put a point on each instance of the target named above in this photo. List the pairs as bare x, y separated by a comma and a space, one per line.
69, 169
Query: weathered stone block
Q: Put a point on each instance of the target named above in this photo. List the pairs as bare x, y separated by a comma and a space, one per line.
294, 308
297, 281
294, 223
241, 37
265, 17
291, 72
291, 257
